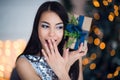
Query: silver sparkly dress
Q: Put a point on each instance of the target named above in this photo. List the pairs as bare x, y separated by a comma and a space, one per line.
41, 67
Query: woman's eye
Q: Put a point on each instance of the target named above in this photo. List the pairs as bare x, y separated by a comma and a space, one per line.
45, 26
59, 27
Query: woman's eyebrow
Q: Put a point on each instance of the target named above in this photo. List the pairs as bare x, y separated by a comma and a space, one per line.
45, 22
61, 23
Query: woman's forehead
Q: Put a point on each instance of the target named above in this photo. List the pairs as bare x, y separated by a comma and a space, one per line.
51, 17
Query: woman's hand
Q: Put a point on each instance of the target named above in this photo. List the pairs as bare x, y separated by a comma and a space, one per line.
75, 55
55, 60
61, 64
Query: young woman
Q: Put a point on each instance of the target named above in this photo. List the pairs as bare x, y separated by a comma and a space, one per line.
45, 57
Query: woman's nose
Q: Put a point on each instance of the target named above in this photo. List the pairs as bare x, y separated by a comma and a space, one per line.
52, 33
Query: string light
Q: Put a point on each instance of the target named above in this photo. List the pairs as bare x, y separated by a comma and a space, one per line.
97, 41
116, 73
93, 56
111, 16
116, 12
112, 53
110, 75
97, 31
105, 3
96, 16
109, 1
96, 3
92, 66
118, 68
116, 7
102, 45
90, 39
85, 61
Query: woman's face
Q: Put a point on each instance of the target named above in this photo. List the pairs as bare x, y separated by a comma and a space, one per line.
50, 27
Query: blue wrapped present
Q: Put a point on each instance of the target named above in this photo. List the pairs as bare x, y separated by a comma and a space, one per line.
77, 31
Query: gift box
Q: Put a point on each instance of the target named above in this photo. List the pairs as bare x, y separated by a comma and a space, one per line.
77, 30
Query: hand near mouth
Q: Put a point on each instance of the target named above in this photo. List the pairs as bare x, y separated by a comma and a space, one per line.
61, 64
55, 60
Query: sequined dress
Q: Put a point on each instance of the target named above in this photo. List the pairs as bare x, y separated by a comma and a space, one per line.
41, 67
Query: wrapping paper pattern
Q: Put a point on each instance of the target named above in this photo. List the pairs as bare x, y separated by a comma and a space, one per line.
79, 32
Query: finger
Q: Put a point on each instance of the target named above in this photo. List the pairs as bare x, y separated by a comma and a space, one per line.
44, 54
65, 53
80, 47
85, 45
47, 50
84, 48
55, 46
51, 46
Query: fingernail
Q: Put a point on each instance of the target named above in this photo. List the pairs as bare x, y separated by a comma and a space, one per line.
67, 49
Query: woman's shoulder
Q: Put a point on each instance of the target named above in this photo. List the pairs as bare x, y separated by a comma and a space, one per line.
26, 60
21, 60
22, 63
24, 68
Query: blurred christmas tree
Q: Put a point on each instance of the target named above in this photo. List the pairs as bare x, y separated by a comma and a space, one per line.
103, 59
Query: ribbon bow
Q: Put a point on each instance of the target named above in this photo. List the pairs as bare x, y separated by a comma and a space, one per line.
73, 30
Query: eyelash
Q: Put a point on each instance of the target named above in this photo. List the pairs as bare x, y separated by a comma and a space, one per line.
59, 27
45, 26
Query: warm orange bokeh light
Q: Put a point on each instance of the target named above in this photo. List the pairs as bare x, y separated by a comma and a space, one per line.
93, 56
97, 41
92, 66
116, 7
116, 12
116, 73
105, 3
112, 53
111, 16
118, 68
96, 3
8, 55
102, 45
90, 39
85, 61
109, 1
97, 31
110, 75
96, 16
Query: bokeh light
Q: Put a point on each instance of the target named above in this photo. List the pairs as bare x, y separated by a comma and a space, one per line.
97, 41
116, 73
111, 16
9, 50
96, 16
96, 3
93, 56
92, 66
102, 45
112, 53
110, 75
85, 61
105, 3
90, 39
109, 1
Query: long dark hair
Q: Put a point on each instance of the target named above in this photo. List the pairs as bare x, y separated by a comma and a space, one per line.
34, 45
